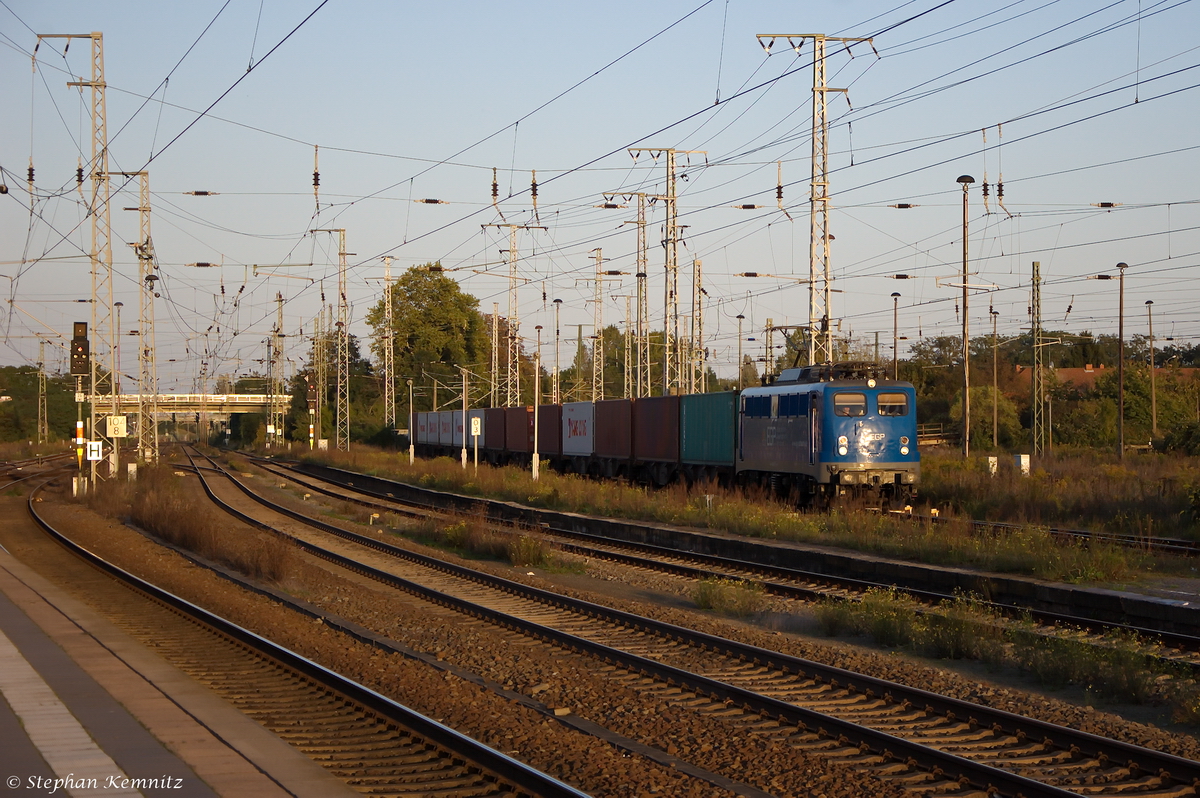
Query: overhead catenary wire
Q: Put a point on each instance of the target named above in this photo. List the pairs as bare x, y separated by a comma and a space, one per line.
564, 243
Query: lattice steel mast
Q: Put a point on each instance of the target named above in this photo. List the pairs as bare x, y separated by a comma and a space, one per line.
147, 416
389, 349
598, 326
43, 428
820, 339
321, 365
512, 363
103, 361
673, 377
641, 342
342, 337
1038, 378
277, 376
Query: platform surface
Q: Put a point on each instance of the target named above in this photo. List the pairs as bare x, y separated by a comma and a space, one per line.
86, 710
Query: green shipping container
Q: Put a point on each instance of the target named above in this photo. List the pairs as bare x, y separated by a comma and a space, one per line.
707, 428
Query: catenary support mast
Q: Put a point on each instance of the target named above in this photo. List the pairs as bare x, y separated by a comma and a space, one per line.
820, 338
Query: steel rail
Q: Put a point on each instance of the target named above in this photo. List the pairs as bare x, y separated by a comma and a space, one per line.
1177, 640
501, 766
992, 780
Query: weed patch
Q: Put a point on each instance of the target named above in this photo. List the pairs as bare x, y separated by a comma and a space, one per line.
158, 504
1117, 667
730, 596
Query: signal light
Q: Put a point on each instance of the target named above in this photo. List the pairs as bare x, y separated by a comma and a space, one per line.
81, 362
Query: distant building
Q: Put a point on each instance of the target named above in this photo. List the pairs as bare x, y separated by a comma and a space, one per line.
1084, 379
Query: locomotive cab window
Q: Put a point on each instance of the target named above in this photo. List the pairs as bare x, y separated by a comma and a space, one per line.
893, 404
849, 404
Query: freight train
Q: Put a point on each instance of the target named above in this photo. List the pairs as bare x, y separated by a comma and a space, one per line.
814, 434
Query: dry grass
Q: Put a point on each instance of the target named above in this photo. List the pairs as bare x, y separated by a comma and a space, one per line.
1116, 668
158, 503
730, 596
1148, 495
472, 535
1029, 550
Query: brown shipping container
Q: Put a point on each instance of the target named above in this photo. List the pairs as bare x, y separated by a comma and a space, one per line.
656, 429
518, 429
550, 430
493, 428
614, 425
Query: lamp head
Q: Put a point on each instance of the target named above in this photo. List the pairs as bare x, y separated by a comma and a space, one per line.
965, 179
895, 295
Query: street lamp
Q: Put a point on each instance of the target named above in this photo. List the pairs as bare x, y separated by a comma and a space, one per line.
965, 181
117, 376
740, 318
995, 382
557, 336
1121, 267
896, 335
465, 421
537, 399
1153, 396
412, 425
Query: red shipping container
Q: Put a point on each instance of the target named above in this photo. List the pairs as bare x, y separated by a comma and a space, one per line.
493, 428
656, 429
549, 434
518, 429
614, 425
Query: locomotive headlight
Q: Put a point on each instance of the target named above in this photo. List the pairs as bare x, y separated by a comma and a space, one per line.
843, 443
904, 440
903, 450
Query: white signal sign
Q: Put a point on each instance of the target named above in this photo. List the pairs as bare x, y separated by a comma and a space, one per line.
95, 450
476, 427
116, 427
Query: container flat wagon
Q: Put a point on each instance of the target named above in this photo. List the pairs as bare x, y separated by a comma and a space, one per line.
815, 433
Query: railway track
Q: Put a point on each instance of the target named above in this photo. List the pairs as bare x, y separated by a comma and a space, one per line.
15, 470
376, 745
927, 742
1183, 649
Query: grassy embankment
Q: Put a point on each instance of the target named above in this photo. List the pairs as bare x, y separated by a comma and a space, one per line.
1116, 668
157, 503
1029, 550
1149, 495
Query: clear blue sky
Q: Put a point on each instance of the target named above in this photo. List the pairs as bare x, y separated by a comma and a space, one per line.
1097, 103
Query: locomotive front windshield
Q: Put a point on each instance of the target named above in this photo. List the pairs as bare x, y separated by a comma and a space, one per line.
893, 404
849, 404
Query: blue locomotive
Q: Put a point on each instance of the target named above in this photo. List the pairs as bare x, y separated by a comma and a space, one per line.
815, 434
822, 432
